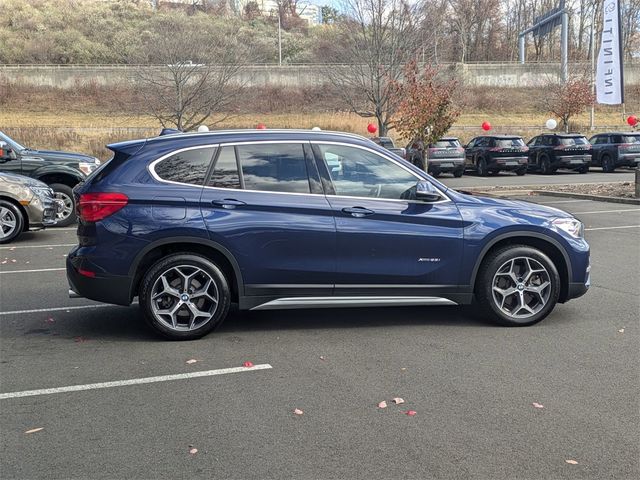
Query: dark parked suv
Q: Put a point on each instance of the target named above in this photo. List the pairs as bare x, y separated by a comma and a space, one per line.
190, 223
489, 154
551, 151
60, 170
613, 150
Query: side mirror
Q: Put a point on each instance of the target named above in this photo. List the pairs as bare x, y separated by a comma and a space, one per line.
6, 153
426, 192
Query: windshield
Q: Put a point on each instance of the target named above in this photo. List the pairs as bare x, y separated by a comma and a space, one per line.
453, 143
12, 143
631, 139
509, 142
572, 141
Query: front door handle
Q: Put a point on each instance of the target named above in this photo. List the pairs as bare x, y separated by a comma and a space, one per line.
228, 203
358, 212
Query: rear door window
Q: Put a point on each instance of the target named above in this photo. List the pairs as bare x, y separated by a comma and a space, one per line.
188, 167
225, 171
274, 167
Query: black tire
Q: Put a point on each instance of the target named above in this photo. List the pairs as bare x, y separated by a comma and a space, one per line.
545, 165
187, 263
584, 169
65, 193
482, 167
12, 222
607, 164
458, 173
484, 286
521, 171
435, 174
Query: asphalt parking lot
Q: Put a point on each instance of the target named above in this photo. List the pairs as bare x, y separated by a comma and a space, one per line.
471, 384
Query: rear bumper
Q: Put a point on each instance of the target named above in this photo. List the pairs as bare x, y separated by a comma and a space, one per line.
102, 288
508, 163
445, 164
572, 161
628, 160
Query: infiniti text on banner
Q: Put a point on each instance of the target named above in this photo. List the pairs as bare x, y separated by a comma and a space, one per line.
609, 74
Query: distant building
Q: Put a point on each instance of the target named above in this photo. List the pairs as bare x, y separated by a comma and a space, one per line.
306, 11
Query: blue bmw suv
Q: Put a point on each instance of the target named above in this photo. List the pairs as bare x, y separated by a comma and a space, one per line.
192, 222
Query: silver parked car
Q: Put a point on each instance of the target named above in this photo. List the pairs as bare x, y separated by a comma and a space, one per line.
25, 204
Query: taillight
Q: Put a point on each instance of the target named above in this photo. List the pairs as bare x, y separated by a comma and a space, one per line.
460, 150
625, 146
93, 207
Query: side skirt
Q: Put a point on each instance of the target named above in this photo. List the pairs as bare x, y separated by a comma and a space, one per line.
343, 302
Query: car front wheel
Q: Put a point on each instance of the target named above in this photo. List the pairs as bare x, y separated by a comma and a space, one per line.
67, 215
11, 222
517, 286
184, 296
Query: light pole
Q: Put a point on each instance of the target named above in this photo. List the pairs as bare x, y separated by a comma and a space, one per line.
279, 39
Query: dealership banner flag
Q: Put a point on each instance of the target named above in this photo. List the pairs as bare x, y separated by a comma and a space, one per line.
609, 73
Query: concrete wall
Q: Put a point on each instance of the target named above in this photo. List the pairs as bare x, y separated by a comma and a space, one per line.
502, 75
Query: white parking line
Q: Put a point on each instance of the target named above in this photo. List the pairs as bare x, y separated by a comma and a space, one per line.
56, 309
607, 211
33, 271
134, 381
564, 201
40, 246
611, 228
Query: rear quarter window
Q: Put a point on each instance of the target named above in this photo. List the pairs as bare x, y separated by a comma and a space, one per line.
189, 166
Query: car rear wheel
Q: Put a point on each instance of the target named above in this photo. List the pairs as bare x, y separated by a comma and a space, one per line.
607, 164
584, 169
67, 215
11, 221
458, 173
545, 165
184, 296
521, 171
517, 286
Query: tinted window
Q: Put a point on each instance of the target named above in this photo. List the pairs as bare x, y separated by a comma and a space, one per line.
534, 141
631, 139
360, 173
572, 141
189, 166
446, 144
602, 139
509, 142
482, 142
274, 167
225, 172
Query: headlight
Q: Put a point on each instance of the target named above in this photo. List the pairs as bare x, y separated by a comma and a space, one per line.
42, 191
572, 226
87, 168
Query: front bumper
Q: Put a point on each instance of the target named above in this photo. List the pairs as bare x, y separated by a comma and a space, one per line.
43, 212
100, 287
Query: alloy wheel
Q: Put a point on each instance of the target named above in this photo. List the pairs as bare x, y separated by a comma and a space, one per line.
67, 208
521, 287
184, 298
8, 222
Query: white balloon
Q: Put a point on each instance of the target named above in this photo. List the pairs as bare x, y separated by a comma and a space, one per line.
551, 124
203, 128
316, 129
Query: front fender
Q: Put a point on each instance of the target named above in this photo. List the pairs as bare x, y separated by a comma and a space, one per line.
59, 170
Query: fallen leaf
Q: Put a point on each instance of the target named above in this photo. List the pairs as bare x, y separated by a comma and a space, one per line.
34, 430
27, 262
403, 368
49, 320
189, 362
382, 404
411, 413
13, 261
193, 451
621, 330
398, 400
3, 262
297, 411
321, 357
247, 364
537, 405
571, 462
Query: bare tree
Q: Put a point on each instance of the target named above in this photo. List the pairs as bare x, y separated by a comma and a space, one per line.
565, 100
375, 41
189, 74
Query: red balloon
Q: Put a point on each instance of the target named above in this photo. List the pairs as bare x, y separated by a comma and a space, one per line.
261, 126
371, 128
486, 126
632, 120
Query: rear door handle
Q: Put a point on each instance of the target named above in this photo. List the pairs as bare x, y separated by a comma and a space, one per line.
228, 203
358, 212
